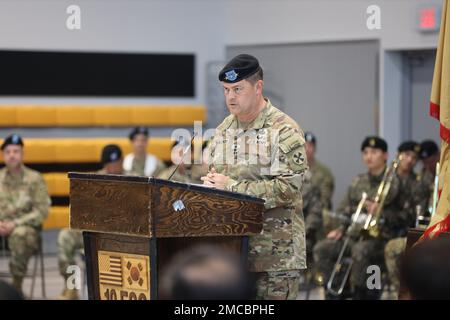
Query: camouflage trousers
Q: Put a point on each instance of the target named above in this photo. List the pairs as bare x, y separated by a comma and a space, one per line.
69, 242
23, 243
364, 254
282, 285
392, 253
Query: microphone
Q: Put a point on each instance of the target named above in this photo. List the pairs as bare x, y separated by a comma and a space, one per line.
182, 157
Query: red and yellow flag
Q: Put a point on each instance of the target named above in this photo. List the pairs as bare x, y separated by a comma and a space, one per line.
440, 109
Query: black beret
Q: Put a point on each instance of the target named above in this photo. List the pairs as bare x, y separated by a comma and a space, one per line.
111, 153
374, 142
409, 146
239, 68
12, 139
138, 130
310, 137
428, 148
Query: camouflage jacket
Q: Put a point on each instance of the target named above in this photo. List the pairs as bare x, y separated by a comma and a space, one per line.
23, 199
267, 160
312, 206
426, 188
415, 193
324, 180
394, 220
185, 176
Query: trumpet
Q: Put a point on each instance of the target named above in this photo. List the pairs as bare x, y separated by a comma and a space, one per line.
371, 228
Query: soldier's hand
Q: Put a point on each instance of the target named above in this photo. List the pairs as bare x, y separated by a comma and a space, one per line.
335, 234
371, 206
215, 180
208, 179
7, 227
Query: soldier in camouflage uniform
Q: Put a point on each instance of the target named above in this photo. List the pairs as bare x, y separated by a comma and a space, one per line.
185, 172
200, 168
417, 196
321, 175
24, 204
69, 241
140, 163
394, 222
429, 155
312, 210
260, 151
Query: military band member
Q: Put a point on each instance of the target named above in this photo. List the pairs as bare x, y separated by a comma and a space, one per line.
417, 196
394, 222
259, 150
429, 155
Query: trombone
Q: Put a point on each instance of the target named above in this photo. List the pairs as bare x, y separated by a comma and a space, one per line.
371, 227
343, 265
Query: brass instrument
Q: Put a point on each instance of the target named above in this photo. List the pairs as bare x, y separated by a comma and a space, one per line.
343, 265
372, 225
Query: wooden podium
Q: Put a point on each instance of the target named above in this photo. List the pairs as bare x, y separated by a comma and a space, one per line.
132, 227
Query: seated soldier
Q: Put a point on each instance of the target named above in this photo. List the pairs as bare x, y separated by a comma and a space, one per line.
312, 211
415, 195
368, 250
24, 204
139, 162
69, 241
184, 172
321, 175
200, 165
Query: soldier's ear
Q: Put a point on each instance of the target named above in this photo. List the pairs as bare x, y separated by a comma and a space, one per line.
259, 86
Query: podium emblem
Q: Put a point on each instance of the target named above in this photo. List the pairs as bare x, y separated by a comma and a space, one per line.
123, 276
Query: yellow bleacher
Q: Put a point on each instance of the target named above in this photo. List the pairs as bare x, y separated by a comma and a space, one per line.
79, 150
58, 217
88, 150
99, 115
57, 184
76, 150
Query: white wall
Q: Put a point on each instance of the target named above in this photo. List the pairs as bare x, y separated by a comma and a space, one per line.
290, 21
193, 26
284, 21
203, 27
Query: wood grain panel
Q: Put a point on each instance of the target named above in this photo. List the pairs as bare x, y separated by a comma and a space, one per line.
110, 206
204, 214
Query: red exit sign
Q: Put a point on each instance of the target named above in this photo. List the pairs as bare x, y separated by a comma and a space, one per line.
429, 18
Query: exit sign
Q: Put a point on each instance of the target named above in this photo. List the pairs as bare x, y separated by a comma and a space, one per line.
429, 18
